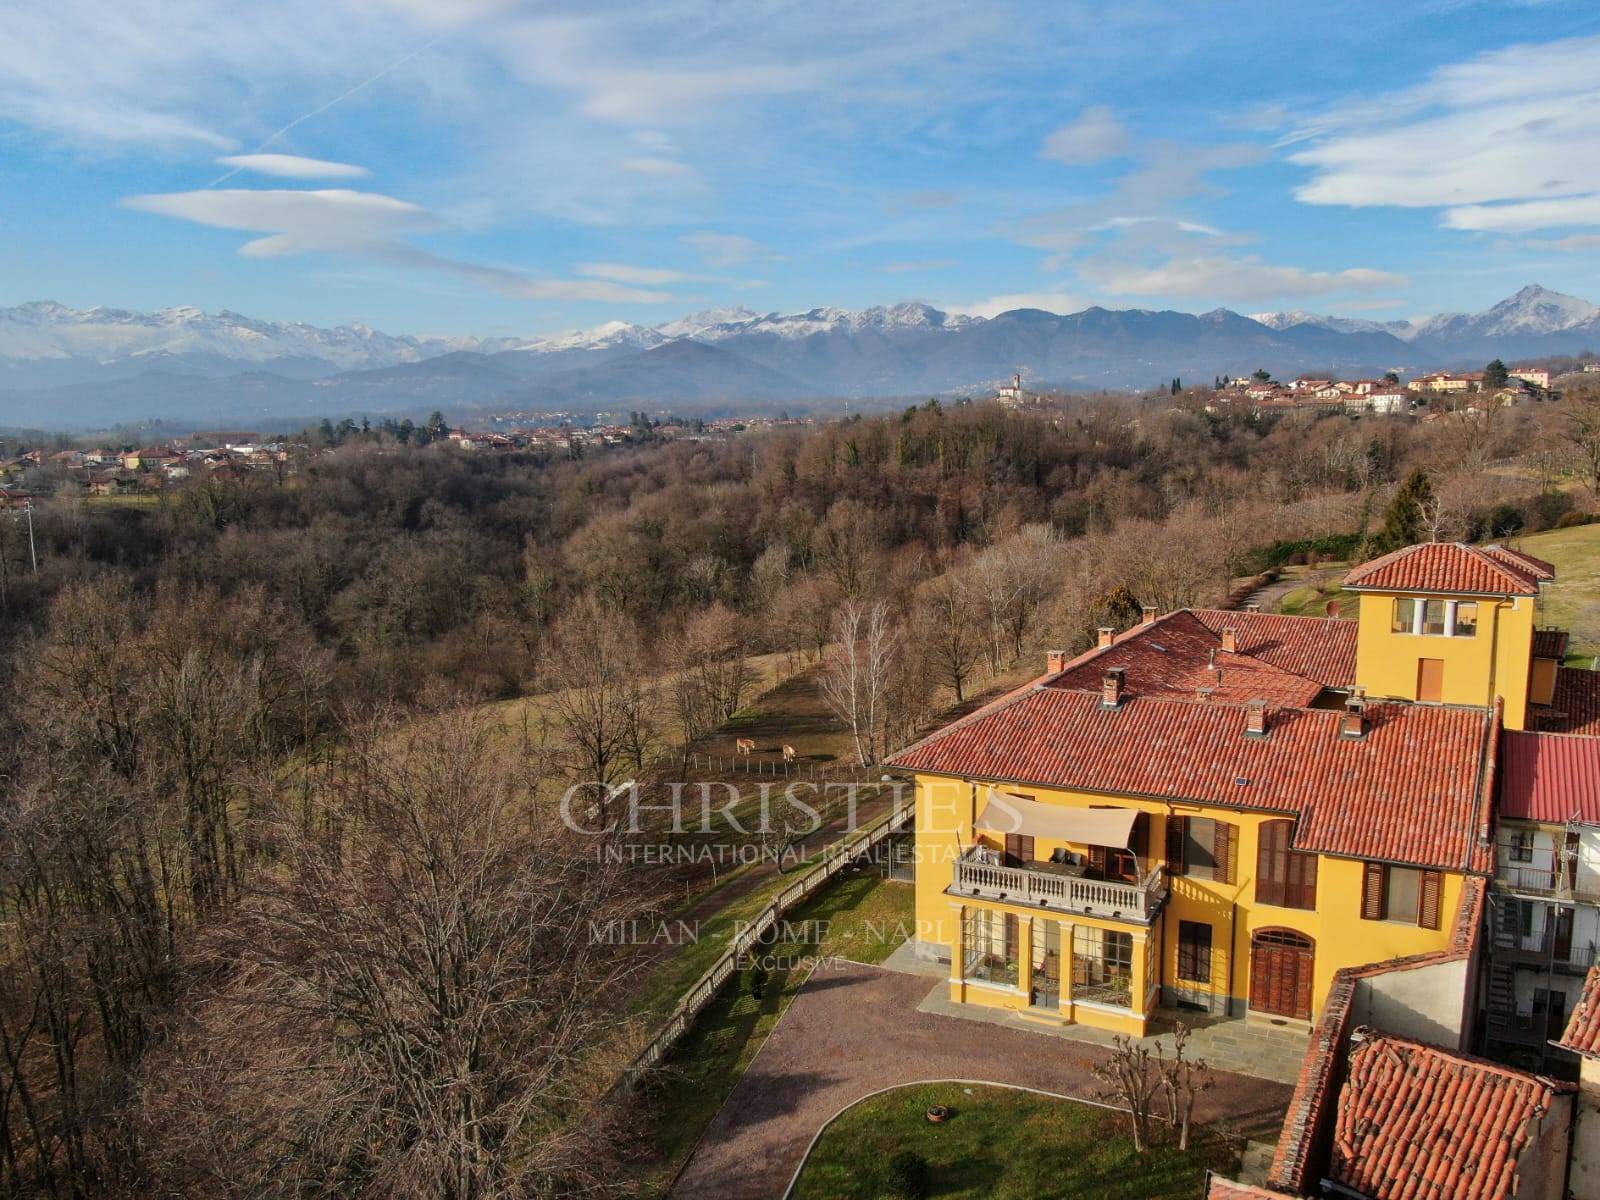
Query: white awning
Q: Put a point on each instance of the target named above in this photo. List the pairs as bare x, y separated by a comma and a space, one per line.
1086, 826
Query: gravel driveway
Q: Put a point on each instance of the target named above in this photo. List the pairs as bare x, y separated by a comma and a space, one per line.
854, 1030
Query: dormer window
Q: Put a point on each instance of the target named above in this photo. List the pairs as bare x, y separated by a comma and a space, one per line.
1435, 618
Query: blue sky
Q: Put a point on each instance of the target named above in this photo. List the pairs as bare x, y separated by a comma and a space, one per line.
490, 167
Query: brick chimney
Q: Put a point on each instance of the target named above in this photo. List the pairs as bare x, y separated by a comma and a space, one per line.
1230, 641
1111, 687
1107, 635
1253, 606
1353, 722
1149, 611
1255, 719
1055, 661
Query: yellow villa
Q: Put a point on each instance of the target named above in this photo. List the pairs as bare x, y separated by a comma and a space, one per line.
1218, 810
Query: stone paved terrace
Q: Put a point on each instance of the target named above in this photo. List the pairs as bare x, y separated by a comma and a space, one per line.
854, 1030
1245, 1047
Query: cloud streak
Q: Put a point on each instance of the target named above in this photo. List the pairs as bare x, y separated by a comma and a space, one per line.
293, 166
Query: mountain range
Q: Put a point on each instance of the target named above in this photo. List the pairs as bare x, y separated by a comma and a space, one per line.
79, 368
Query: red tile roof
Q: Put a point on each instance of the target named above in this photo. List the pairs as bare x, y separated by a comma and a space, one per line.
1550, 643
1416, 1120
1551, 777
1582, 1034
1299, 1158
1452, 568
1320, 648
1409, 791
1179, 654
1575, 707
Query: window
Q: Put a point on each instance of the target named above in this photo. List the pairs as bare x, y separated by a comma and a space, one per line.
1102, 966
1435, 618
1433, 614
1404, 894
1521, 847
989, 940
1408, 895
1201, 848
1194, 951
1284, 877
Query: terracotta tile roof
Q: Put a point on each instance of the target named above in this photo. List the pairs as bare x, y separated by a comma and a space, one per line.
1575, 707
1452, 568
1550, 643
1298, 1160
1552, 777
1582, 1035
1178, 654
1320, 648
1408, 791
1416, 1120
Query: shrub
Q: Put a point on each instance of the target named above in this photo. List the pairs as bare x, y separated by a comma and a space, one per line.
755, 979
907, 1176
1504, 519
1573, 519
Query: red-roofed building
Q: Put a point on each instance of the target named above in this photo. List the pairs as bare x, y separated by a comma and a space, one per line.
1418, 1120
1582, 1038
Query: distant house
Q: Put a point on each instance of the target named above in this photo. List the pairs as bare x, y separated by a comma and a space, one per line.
1591, 368
1447, 381
1538, 376
1011, 394
1310, 385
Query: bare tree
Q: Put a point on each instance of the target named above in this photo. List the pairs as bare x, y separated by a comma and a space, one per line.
1134, 1081
600, 698
857, 673
1582, 432
412, 1006
947, 633
1182, 1081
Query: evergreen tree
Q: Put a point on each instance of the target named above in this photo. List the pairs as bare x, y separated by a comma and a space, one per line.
1177, 385
1402, 523
1495, 375
1262, 374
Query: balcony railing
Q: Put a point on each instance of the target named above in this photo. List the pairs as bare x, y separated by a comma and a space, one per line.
1060, 891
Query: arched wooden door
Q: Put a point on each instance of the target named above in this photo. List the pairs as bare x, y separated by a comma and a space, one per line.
1282, 963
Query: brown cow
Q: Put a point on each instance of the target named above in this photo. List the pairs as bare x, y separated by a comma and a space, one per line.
788, 752
745, 746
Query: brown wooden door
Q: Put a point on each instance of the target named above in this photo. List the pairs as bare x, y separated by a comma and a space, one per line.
1281, 967
1430, 679
1019, 849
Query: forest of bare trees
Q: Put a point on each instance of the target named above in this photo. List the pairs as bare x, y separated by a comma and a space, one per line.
283, 917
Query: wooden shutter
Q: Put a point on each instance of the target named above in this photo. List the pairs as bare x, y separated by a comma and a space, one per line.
1572, 861
1097, 860
1428, 904
1372, 892
1019, 849
1194, 951
1176, 833
1301, 890
1272, 869
1222, 851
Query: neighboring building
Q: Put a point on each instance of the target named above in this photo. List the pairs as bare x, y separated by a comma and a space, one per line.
1382, 398
1221, 810
1011, 394
1582, 1038
1539, 377
1544, 922
1591, 368
1447, 381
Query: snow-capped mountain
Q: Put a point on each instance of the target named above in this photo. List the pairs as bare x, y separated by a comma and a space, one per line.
64, 366
45, 332
1533, 311
1295, 316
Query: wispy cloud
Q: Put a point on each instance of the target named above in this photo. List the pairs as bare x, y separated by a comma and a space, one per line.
725, 249
1094, 136
293, 166
1517, 124
364, 225
1240, 280
926, 264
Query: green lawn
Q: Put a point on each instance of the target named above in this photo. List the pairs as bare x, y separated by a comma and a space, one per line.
1002, 1144
1573, 599
859, 916
1312, 601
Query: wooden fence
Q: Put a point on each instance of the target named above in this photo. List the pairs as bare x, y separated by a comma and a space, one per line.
835, 859
771, 768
